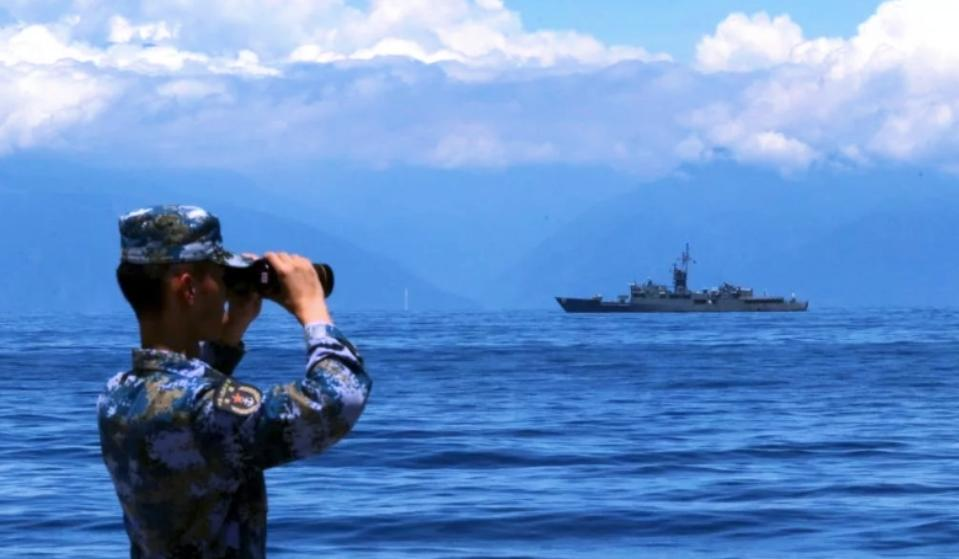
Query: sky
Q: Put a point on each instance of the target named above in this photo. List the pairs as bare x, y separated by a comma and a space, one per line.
468, 84
676, 26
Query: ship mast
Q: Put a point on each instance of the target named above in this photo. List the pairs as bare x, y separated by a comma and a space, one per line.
680, 272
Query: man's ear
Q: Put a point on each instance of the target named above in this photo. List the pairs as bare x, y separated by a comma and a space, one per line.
184, 286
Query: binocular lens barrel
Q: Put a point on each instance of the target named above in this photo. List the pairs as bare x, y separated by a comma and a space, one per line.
261, 277
325, 273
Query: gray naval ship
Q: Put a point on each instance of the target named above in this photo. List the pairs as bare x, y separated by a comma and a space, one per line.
652, 297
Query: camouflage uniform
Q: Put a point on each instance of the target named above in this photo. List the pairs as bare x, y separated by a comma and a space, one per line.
186, 444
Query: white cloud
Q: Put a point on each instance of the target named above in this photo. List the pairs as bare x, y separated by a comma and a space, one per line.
132, 58
52, 44
192, 90
887, 92
314, 53
122, 31
461, 83
37, 104
915, 35
918, 128
472, 32
395, 47
40, 45
41, 94
150, 60
50, 82
479, 146
920, 32
743, 43
480, 33
771, 146
476, 146
246, 63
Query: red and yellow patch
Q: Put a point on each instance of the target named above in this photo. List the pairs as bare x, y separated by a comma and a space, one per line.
236, 397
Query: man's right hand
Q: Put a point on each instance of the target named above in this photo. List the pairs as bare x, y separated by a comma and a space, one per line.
302, 293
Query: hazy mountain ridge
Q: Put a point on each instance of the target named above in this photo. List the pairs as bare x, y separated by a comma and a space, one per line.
459, 229
60, 233
509, 238
846, 239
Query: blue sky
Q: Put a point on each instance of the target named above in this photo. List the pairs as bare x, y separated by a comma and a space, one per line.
676, 26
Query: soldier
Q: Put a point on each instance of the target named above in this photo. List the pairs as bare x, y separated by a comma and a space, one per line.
186, 443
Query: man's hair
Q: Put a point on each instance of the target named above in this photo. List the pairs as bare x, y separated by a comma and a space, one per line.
143, 284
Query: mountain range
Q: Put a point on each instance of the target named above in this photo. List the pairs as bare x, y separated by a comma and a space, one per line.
500, 238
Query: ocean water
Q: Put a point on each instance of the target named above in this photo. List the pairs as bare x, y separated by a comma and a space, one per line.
830, 434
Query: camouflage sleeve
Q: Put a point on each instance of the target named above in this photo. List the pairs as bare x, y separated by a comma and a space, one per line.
222, 357
239, 429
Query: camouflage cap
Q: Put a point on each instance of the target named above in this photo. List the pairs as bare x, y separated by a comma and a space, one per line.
170, 234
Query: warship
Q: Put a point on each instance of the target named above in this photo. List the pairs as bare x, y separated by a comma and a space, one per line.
653, 297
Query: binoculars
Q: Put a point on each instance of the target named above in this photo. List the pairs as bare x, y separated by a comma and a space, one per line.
261, 278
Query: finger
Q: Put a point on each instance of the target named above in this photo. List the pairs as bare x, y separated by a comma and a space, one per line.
277, 261
303, 261
293, 261
272, 258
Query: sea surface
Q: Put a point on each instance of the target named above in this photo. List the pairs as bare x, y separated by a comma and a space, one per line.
830, 434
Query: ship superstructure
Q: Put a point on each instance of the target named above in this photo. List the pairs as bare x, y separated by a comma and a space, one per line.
653, 297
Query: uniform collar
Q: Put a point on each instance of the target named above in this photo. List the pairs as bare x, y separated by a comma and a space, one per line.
151, 359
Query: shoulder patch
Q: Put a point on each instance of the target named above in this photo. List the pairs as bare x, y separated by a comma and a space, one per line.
236, 397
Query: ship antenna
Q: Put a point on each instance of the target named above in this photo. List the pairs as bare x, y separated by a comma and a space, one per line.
686, 259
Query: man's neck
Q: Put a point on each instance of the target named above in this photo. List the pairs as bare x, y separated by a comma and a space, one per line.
163, 333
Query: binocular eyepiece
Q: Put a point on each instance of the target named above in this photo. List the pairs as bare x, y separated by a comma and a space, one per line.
260, 277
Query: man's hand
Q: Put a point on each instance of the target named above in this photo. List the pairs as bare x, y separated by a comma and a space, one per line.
302, 294
242, 310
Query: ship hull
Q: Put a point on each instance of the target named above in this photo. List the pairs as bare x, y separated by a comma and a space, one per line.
681, 305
